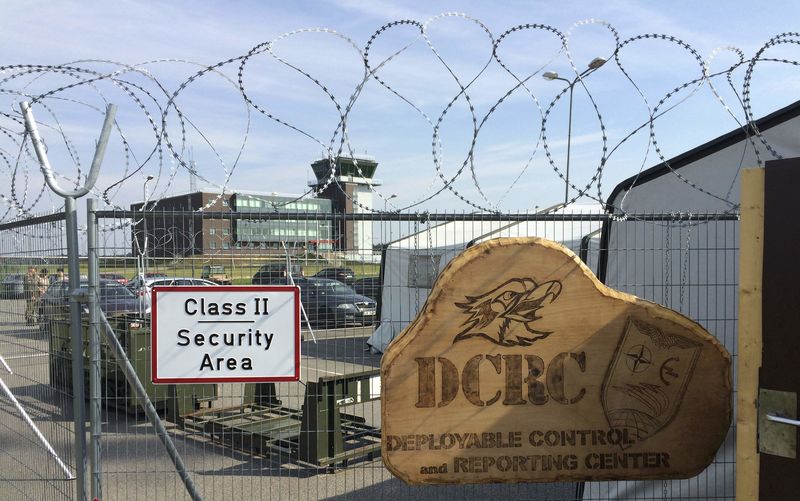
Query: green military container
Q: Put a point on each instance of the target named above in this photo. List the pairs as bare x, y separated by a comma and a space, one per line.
134, 335
216, 274
60, 353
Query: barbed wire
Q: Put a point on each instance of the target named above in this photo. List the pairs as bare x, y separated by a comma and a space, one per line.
140, 90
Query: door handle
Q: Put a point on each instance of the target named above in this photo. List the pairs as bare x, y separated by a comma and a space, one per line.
783, 420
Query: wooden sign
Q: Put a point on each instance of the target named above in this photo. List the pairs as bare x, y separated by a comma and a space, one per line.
523, 367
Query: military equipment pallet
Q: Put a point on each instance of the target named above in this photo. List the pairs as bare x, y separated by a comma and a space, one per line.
318, 435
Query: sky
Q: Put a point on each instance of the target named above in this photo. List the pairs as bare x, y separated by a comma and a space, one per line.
438, 147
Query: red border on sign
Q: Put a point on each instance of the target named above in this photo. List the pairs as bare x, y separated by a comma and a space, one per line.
222, 289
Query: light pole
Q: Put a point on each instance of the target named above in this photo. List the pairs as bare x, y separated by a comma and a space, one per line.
552, 75
144, 222
386, 200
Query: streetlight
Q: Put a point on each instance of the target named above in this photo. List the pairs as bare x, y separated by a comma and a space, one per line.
144, 222
386, 200
552, 75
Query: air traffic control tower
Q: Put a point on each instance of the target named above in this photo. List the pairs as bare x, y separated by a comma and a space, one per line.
349, 193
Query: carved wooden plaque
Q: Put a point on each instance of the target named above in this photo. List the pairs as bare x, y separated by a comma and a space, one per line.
523, 367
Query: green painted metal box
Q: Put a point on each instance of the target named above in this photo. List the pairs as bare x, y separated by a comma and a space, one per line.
134, 335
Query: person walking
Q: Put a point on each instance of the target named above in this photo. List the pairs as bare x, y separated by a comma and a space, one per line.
31, 288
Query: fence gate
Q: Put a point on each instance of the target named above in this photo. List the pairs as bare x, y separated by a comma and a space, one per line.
317, 438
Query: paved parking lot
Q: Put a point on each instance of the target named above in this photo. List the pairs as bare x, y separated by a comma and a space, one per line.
135, 466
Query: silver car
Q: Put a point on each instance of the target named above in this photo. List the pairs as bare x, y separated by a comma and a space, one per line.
144, 287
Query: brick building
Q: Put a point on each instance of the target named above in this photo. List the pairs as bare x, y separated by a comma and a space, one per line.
172, 232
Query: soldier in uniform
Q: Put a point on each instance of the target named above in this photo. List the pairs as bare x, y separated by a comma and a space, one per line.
31, 289
42, 283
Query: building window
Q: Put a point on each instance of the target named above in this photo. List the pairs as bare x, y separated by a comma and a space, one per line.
226, 245
225, 231
212, 245
212, 231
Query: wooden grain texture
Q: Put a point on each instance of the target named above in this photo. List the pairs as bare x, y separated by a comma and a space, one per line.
751, 262
523, 367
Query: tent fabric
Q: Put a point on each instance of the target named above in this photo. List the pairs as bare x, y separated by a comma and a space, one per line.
710, 172
410, 265
692, 268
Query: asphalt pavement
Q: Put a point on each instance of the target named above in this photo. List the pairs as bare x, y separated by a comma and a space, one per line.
134, 465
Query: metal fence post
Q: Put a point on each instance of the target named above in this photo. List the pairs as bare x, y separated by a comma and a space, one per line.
95, 419
73, 253
78, 404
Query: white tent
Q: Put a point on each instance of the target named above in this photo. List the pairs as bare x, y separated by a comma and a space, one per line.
691, 267
410, 265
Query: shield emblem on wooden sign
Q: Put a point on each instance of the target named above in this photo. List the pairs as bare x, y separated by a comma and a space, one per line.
646, 381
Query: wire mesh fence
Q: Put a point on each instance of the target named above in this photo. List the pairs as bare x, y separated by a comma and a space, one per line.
691, 266
30, 256
318, 438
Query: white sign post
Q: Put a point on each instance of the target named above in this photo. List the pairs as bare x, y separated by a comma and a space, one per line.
226, 334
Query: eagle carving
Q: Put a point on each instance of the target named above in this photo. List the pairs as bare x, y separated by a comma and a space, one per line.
496, 314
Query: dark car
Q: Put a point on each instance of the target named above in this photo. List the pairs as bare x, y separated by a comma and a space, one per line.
344, 275
13, 286
331, 303
114, 298
276, 274
368, 286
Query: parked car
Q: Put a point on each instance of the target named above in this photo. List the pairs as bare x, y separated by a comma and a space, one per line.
137, 282
116, 277
216, 274
344, 275
12, 286
368, 286
115, 298
144, 290
276, 274
333, 304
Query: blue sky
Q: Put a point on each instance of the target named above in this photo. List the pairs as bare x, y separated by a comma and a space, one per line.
238, 146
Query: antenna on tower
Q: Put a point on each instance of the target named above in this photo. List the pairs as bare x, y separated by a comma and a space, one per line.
193, 178
192, 172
